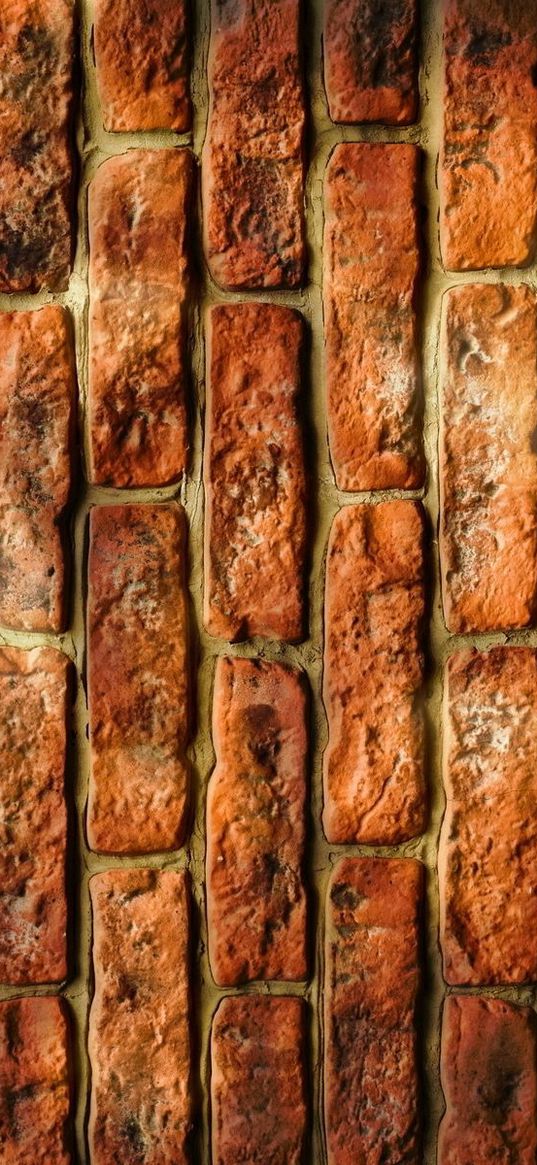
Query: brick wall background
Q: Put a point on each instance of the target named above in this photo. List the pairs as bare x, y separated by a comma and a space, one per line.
506, 967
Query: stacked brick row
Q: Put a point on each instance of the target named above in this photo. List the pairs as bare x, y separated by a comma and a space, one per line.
257, 477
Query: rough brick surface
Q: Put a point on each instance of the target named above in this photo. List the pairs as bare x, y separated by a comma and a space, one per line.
139, 1034
374, 789
255, 527
35, 155
34, 1091
37, 405
137, 678
370, 66
33, 815
256, 902
142, 59
488, 165
489, 1080
488, 462
138, 228
370, 272
252, 173
372, 978
258, 1081
488, 843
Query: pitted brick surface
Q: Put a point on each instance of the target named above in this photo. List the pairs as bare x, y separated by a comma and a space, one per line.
370, 66
35, 1085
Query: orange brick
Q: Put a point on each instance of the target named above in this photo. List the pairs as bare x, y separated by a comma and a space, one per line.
256, 903
370, 66
37, 417
35, 1093
252, 171
255, 525
488, 463
139, 225
374, 787
139, 1033
371, 263
137, 678
372, 977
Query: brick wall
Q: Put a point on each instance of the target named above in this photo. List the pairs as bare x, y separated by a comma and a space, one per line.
268, 578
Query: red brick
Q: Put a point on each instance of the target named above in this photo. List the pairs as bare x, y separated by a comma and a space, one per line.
138, 686
488, 162
255, 526
258, 1081
35, 1094
488, 463
488, 844
37, 418
372, 979
36, 170
139, 1035
256, 903
33, 816
370, 66
371, 264
252, 172
374, 788
489, 1081
142, 59
139, 224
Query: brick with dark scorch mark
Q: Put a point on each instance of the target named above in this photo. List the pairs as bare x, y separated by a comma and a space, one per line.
256, 903
35, 1090
370, 60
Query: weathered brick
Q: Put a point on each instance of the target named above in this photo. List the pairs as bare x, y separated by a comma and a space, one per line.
370, 65
255, 526
36, 170
258, 1080
488, 163
488, 463
139, 226
37, 417
35, 1093
256, 903
142, 59
252, 171
138, 688
139, 1033
372, 978
489, 1080
374, 787
488, 844
371, 261
33, 815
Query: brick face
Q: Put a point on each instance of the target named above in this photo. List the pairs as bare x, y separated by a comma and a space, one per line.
137, 678
256, 903
253, 192
369, 284
34, 1096
138, 230
370, 67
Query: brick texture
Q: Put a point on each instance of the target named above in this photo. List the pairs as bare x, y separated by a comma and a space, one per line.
370, 275
488, 462
370, 67
374, 790
139, 1035
252, 166
490, 1084
137, 678
139, 206
256, 903
488, 844
255, 526
488, 165
258, 1081
372, 977
35, 1091
142, 59
35, 149
33, 815
37, 405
